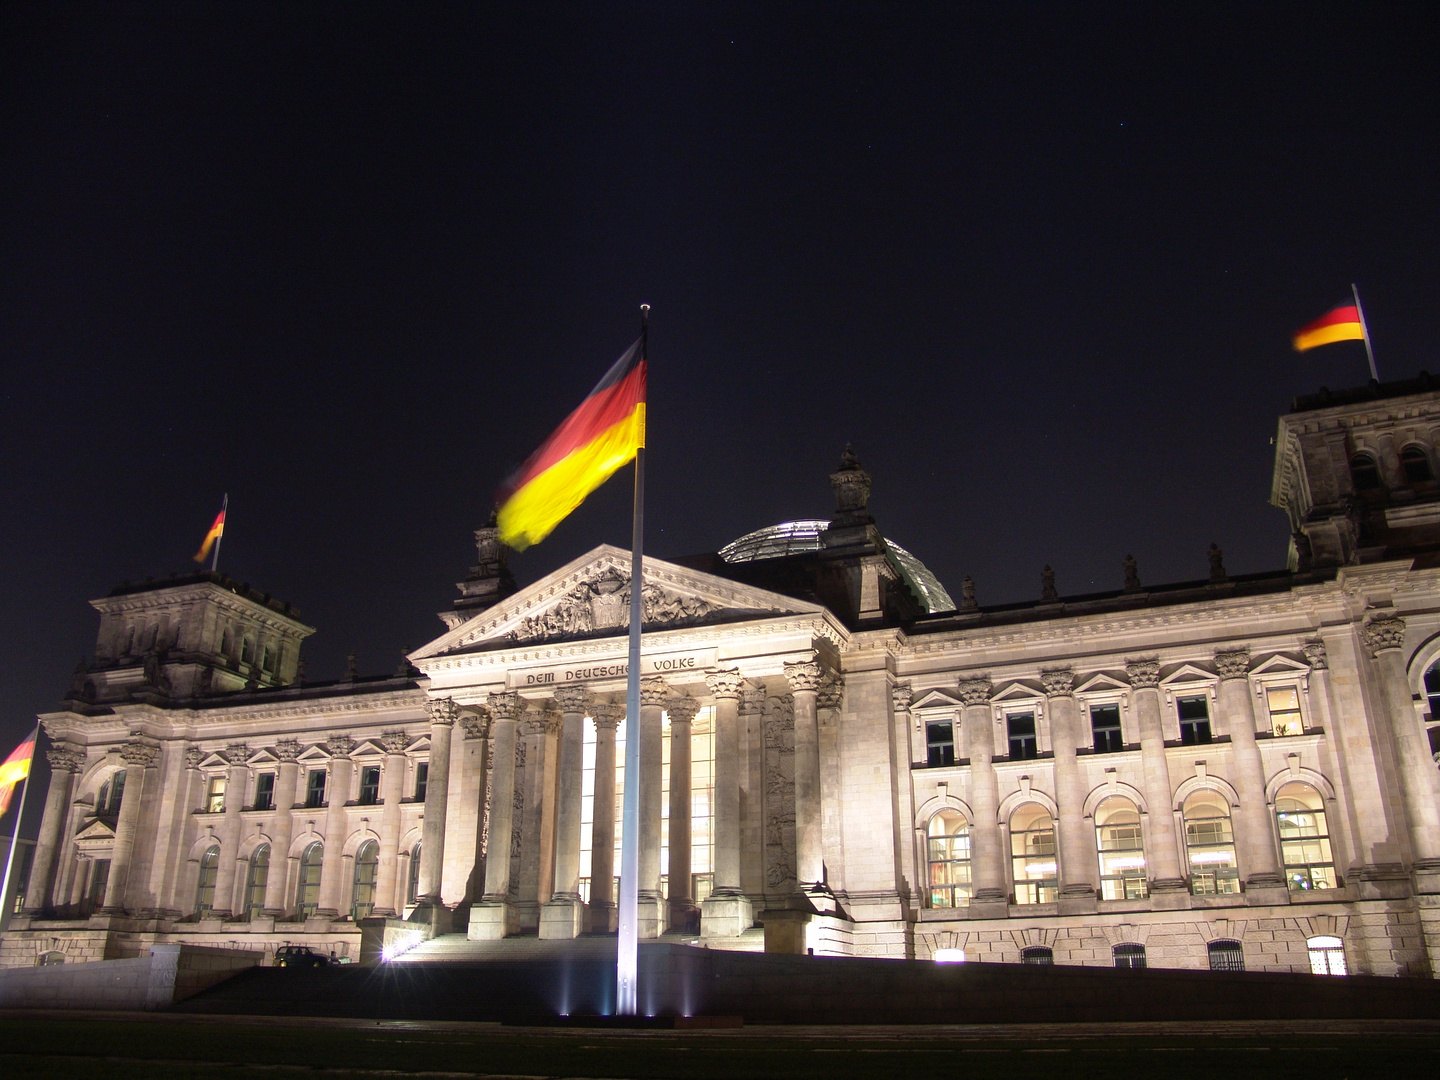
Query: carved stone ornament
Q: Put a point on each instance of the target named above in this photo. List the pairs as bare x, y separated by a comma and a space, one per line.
138, 753
607, 716
851, 484
901, 694
654, 692
1315, 654
967, 594
1047, 584
504, 704
682, 710
1059, 682
572, 699
394, 742
975, 691
803, 676
64, 759
1233, 663
443, 710
1386, 632
1217, 563
287, 749
534, 721
475, 722
193, 756
752, 700
1132, 574
603, 603
236, 753
832, 692
1144, 674
339, 745
725, 684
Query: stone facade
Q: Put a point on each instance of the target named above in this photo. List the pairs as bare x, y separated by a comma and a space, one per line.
1238, 770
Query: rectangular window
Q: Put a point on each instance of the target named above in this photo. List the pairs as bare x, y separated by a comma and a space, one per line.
370, 785
1194, 720
1021, 728
422, 774
215, 795
940, 743
1105, 725
265, 791
315, 788
1284, 705
99, 881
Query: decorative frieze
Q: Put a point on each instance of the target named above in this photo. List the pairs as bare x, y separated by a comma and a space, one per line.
682, 710
236, 753
475, 722
607, 716
504, 704
572, 699
193, 756
831, 694
901, 695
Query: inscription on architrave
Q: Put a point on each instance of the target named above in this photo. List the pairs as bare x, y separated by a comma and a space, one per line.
778, 729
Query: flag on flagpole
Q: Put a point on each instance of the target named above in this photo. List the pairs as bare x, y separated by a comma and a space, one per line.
595, 440
1341, 324
14, 769
216, 531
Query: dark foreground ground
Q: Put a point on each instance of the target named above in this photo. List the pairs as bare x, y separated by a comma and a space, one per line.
159, 1046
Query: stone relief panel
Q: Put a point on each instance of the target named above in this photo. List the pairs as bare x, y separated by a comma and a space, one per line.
603, 603
778, 737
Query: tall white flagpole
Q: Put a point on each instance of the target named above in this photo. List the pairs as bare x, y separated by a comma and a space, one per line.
627, 959
1365, 332
19, 817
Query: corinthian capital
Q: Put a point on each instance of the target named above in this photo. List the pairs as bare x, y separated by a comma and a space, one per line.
572, 700
803, 676
725, 684
608, 716
394, 742
504, 704
901, 694
1144, 674
832, 692
976, 690
1058, 682
682, 710
1233, 663
139, 753
654, 692
476, 723
64, 759
193, 757
443, 711
1315, 653
339, 746
287, 749
1385, 632
236, 753
752, 700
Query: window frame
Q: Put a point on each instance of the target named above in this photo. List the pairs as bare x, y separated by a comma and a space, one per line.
1327, 954
369, 793
255, 905
959, 892
304, 887
1112, 746
1230, 877
216, 784
1038, 955
365, 880
1033, 715
1192, 723
1229, 951
316, 795
422, 779
1297, 872
264, 793
1132, 885
1129, 956
936, 748
1371, 465
206, 881
1041, 890
1418, 453
1300, 719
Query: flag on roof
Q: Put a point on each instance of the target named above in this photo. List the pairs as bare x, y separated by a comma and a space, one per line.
1341, 324
217, 530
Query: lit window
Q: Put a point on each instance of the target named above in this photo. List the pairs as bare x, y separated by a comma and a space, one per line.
265, 791
422, 775
1032, 855
412, 892
1226, 955
1122, 850
1327, 956
370, 785
949, 847
1021, 728
315, 788
940, 743
1194, 721
1129, 956
1284, 702
205, 885
215, 795
307, 893
1210, 843
256, 879
1416, 463
1364, 472
367, 871
1041, 955
1304, 838
1105, 725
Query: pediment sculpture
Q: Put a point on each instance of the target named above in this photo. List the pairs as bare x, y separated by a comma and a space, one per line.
603, 603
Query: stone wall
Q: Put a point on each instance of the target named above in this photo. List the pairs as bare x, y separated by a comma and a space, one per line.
168, 974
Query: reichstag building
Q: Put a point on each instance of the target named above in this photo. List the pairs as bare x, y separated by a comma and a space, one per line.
838, 755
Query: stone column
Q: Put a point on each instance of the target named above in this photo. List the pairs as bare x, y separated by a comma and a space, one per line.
1077, 863
536, 843
563, 916
602, 827
392, 791
466, 832
752, 788
654, 696
235, 783
277, 885
65, 762
682, 903
726, 913
1162, 855
1257, 835
334, 888
491, 918
443, 713
804, 678
987, 865
1419, 779
139, 759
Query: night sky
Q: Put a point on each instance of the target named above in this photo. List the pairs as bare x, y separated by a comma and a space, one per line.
351, 263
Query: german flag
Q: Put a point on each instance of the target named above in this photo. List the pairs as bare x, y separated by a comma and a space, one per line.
14, 769
595, 440
216, 531
1341, 324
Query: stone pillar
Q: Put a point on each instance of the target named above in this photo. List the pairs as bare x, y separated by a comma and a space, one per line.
1168, 884
1419, 779
235, 783
392, 791
443, 713
726, 912
804, 678
465, 833
277, 885
492, 917
1077, 863
536, 813
683, 912
1256, 839
65, 762
987, 865
654, 696
602, 913
139, 759
563, 916
334, 897
752, 788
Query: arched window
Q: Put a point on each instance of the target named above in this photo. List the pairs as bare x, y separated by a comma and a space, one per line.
949, 856
1432, 689
412, 890
1038, 954
367, 870
1210, 842
1304, 838
107, 802
268, 663
1122, 850
151, 635
256, 880
1364, 472
1226, 955
227, 642
50, 959
1129, 956
205, 885
1416, 464
307, 893
1032, 855
1327, 956
247, 650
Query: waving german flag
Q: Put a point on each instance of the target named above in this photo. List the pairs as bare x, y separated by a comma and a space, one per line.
596, 439
14, 769
1341, 324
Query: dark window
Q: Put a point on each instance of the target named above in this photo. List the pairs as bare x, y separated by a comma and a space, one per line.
1416, 464
1021, 727
1432, 689
412, 893
1105, 723
99, 880
315, 788
1364, 472
107, 803
265, 791
370, 785
1038, 954
1129, 956
1194, 720
1226, 955
940, 743
422, 773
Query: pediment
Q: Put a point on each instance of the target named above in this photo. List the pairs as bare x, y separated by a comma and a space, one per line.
262, 757
314, 754
213, 760
1280, 664
936, 699
1188, 673
367, 749
96, 830
1101, 684
590, 598
1019, 690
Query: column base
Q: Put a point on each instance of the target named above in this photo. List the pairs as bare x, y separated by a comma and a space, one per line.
785, 930
1379, 881
1266, 890
650, 918
726, 916
1427, 876
562, 918
491, 921
684, 917
1077, 899
434, 915
820, 899
1170, 893
601, 917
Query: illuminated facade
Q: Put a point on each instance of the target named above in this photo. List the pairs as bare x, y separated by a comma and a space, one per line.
836, 755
